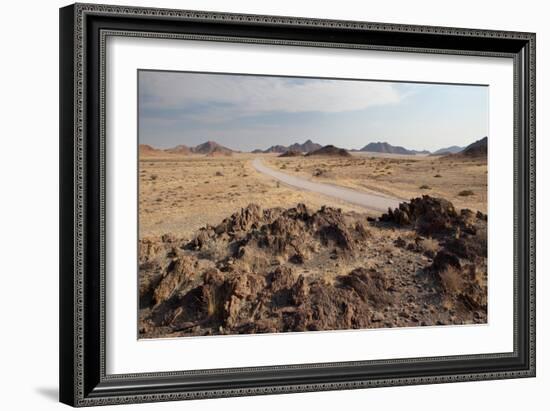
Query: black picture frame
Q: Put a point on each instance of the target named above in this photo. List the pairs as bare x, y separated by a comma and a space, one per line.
83, 29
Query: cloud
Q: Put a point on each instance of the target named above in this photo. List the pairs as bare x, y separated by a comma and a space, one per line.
170, 94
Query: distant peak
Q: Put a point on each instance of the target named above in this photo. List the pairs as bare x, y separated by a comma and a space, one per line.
385, 147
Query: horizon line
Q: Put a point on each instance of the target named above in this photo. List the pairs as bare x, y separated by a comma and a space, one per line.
305, 141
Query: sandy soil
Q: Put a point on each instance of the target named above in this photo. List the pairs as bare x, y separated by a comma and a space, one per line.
225, 249
180, 194
362, 198
399, 176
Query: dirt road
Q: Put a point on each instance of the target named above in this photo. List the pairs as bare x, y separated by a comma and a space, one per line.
377, 202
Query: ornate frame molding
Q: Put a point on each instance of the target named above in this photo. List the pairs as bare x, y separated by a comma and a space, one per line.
76, 388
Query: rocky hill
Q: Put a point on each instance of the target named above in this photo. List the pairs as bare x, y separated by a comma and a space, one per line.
211, 148
274, 149
180, 149
291, 153
383, 147
306, 147
330, 151
296, 269
447, 150
147, 150
476, 149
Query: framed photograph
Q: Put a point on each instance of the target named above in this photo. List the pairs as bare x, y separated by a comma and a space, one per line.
262, 204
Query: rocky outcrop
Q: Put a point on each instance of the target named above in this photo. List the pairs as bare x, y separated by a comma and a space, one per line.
260, 270
329, 151
432, 216
290, 233
291, 153
306, 147
476, 149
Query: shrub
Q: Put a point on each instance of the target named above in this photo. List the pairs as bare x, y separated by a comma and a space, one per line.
430, 246
466, 193
425, 187
451, 280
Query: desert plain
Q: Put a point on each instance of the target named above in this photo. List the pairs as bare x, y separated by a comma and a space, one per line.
227, 249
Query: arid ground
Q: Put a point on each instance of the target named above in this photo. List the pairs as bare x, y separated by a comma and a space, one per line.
180, 194
225, 249
399, 176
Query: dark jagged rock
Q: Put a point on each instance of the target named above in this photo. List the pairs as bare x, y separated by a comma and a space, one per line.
429, 215
444, 259
329, 151
177, 275
252, 273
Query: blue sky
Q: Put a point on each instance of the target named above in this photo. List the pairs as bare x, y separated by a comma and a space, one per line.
249, 112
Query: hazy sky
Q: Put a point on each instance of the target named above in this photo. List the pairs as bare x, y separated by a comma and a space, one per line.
249, 112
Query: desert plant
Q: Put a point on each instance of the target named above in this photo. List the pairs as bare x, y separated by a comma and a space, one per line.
425, 187
451, 280
466, 193
430, 245
213, 303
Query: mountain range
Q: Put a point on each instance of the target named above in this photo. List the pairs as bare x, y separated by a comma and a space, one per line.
209, 148
307, 147
384, 147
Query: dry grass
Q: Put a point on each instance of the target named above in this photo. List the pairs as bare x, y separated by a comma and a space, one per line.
180, 194
478, 276
451, 280
431, 245
468, 285
399, 176
328, 278
447, 303
213, 302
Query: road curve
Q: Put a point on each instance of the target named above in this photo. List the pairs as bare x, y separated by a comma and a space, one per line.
377, 202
